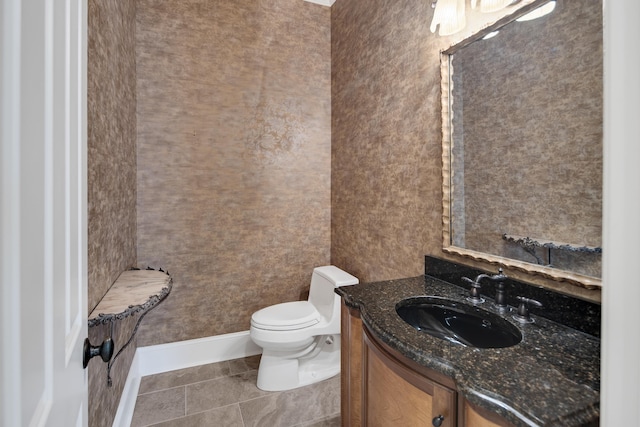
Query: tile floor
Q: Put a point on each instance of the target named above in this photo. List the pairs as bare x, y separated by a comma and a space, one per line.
225, 395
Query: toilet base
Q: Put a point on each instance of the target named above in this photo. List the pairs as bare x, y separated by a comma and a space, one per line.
280, 371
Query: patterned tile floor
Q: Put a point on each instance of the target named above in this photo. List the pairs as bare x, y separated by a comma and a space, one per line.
225, 395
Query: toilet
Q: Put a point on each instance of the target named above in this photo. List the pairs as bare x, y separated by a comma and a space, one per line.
300, 340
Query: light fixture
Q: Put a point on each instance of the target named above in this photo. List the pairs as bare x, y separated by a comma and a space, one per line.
488, 6
449, 16
539, 12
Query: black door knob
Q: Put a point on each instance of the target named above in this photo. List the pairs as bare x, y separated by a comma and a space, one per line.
437, 421
104, 350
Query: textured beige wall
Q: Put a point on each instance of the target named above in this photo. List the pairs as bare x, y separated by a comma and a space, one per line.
234, 152
111, 98
533, 152
386, 138
111, 184
104, 400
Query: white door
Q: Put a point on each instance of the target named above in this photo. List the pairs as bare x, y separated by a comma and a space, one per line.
43, 260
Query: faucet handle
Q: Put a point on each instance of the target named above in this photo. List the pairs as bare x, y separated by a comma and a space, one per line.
522, 315
474, 292
474, 284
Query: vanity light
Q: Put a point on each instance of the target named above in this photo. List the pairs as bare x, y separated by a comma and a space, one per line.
539, 12
449, 16
488, 6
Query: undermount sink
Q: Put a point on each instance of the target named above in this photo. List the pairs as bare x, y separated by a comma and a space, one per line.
458, 323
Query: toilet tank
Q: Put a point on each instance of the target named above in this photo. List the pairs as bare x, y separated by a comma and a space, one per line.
323, 282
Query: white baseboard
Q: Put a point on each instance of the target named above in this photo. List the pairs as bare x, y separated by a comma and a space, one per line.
156, 359
322, 2
129, 394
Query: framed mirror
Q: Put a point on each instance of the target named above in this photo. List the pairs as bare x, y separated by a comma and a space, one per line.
522, 142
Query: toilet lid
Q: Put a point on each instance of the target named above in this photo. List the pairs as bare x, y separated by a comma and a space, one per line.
286, 316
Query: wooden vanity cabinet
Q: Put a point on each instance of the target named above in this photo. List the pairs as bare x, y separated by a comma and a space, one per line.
350, 367
394, 395
380, 387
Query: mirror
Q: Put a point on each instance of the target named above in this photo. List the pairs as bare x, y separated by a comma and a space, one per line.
522, 143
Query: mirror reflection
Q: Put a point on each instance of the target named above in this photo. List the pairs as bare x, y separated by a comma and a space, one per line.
525, 141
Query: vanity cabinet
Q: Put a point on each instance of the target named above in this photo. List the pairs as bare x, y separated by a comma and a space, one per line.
393, 394
383, 388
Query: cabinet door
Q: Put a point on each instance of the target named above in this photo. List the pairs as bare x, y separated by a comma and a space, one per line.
476, 417
394, 395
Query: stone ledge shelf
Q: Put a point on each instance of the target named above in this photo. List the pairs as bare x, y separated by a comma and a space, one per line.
134, 291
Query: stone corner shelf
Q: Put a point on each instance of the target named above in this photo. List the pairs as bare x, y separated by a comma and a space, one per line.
134, 291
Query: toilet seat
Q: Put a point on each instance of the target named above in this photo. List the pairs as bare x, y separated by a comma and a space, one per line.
286, 316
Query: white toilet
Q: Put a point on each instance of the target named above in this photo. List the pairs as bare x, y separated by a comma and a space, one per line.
301, 340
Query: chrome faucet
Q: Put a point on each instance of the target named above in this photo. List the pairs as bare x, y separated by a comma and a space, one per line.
474, 292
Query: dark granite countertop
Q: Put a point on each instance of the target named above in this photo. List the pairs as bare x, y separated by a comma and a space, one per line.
551, 378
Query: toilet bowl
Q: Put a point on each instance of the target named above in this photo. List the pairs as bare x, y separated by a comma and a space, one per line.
300, 340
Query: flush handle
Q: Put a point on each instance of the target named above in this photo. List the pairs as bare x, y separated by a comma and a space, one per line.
104, 350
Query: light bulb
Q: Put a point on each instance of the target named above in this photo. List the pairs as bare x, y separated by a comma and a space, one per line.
449, 16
